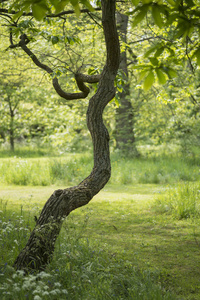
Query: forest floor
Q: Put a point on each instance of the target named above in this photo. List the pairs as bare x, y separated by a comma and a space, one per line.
122, 222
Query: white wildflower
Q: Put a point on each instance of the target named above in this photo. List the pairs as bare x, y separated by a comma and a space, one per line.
65, 292
44, 275
37, 297
54, 292
57, 284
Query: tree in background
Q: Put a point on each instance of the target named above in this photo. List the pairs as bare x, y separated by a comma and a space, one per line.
124, 128
9, 111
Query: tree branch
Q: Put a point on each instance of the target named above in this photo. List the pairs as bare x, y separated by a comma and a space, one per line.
80, 78
63, 13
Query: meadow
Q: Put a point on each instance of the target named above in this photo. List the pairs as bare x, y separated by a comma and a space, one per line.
139, 238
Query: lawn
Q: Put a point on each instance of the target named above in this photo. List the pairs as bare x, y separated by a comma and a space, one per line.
120, 246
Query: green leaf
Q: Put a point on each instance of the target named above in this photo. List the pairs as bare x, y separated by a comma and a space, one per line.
87, 4
152, 49
161, 76
135, 2
59, 6
141, 66
172, 2
54, 40
116, 101
147, 1
77, 10
54, 2
39, 11
149, 80
190, 3
153, 61
197, 54
159, 51
139, 17
17, 15
171, 73
157, 16
142, 75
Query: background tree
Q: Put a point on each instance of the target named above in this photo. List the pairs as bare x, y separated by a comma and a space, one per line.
124, 128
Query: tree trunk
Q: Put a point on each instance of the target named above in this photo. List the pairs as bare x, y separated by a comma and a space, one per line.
124, 133
40, 246
11, 132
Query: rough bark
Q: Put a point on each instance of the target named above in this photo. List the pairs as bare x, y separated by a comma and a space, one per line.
40, 246
124, 134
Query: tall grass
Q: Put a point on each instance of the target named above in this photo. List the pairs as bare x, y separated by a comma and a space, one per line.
81, 269
161, 169
72, 168
182, 201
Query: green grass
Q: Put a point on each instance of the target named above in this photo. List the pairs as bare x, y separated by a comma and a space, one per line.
71, 169
182, 201
139, 238
116, 247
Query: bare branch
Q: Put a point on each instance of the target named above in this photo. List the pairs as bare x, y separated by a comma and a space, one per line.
92, 17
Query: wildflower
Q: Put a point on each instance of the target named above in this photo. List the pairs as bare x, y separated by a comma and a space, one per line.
57, 284
44, 275
54, 292
37, 297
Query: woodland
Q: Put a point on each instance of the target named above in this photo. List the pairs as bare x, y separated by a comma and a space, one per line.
99, 103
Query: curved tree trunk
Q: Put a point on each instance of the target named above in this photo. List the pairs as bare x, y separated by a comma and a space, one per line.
40, 247
124, 134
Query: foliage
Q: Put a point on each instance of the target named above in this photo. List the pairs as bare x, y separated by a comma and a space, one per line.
174, 28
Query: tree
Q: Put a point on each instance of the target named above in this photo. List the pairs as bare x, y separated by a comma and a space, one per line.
39, 249
124, 129
9, 107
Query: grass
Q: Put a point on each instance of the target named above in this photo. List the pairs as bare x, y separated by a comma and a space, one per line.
71, 169
182, 201
117, 247
138, 239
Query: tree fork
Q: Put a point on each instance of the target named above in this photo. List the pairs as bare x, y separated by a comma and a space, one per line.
40, 246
